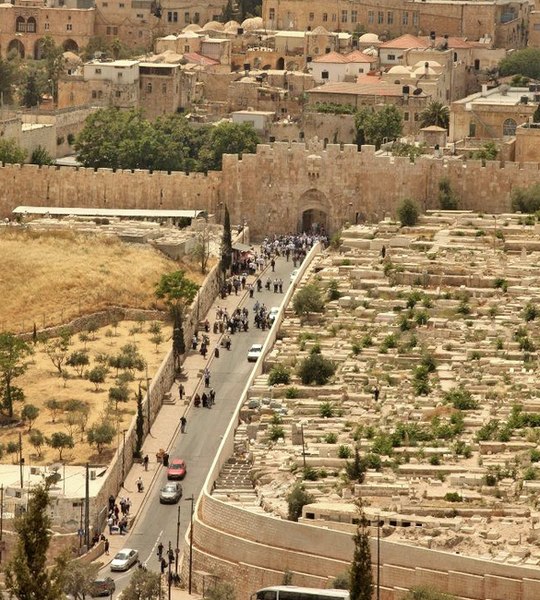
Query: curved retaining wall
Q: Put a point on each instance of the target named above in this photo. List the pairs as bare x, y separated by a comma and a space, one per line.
253, 550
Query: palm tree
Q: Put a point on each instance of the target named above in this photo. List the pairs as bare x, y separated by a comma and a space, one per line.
435, 113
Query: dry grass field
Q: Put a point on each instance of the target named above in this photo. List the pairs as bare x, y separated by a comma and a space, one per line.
50, 278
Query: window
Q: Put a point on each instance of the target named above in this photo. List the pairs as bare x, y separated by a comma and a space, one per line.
325, 17
187, 49
20, 25
69, 27
380, 17
186, 17
405, 116
121, 5
140, 16
472, 130
327, 50
163, 88
94, 94
109, 30
272, 14
415, 18
196, 17
390, 18
361, 69
334, 17
416, 116
324, 75
100, 94
371, 17
115, 30
104, 4
46, 27
118, 94
120, 75
344, 16
149, 88
476, 65
354, 16
455, 57
391, 57
311, 16
31, 25
172, 17
509, 127
405, 18
98, 71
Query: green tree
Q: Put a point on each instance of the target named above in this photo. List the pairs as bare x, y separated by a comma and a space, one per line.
526, 200
176, 290
279, 374
11, 152
227, 13
8, 79
226, 244
40, 156
435, 113
97, 375
60, 441
524, 62
316, 369
29, 414
427, 593
408, 213
447, 197
13, 352
296, 500
118, 393
79, 578
361, 580
78, 360
228, 138
27, 574
57, 350
37, 439
53, 55
536, 115
378, 126
143, 585
31, 91
487, 151
178, 341
54, 407
101, 435
221, 590
308, 300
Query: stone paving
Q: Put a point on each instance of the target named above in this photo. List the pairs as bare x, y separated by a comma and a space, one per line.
443, 319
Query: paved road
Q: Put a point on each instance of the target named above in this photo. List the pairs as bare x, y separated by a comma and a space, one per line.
198, 446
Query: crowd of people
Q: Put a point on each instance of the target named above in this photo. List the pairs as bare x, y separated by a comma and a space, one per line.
117, 519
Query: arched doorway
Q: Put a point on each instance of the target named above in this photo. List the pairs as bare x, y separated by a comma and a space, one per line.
280, 64
16, 46
71, 46
314, 211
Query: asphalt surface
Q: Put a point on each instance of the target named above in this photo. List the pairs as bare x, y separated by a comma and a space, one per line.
198, 446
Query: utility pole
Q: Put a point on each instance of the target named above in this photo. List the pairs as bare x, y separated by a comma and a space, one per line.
379, 558
177, 541
87, 508
1, 519
190, 499
303, 446
21, 460
169, 580
123, 455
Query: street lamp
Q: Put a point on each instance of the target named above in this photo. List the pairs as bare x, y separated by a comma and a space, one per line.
177, 540
123, 455
190, 499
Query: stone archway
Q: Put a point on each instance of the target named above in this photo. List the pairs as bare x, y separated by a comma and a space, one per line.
314, 212
71, 46
280, 64
16, 46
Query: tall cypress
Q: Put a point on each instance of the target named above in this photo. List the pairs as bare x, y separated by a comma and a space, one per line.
226, 244
139, 424
361, 581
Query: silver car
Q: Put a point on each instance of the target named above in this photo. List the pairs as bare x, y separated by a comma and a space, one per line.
125, 559
170, 493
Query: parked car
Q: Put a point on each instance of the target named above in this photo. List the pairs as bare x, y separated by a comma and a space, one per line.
177, 469
170, 493
273, 313
124, 559
102, 587
254, 352
294, 274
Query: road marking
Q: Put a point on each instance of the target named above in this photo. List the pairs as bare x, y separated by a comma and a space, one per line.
154, 547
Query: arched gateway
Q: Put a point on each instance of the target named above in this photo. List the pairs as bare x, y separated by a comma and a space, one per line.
314, 209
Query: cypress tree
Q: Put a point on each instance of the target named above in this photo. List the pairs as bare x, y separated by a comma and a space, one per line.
139, 425
226, 244
361, 581
179, 344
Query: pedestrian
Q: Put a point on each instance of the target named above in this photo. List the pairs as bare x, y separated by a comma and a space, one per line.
183, 422
207, 325
166, 459
204, 399
280, 285
181, 391
106, 545
216, 352
110, 523
145, 462
140, 485
207, 380
163, 565
212, 396
194, 342
111, 502
128, 505
376, 393
160, 550
273, 264
197, 400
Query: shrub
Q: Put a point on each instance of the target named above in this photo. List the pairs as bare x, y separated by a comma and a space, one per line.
453, 497
326, 410
460, 399
275, 432
279, 374
344, 451
530, 312
421, 381
331, 438
435, 460
356, 348
535, 455
100, 435
526, 200
316, 369
310, 474
530, 474
447, 197
292, 393
308, 300
296, 500
333, 292
501, 284
408, 213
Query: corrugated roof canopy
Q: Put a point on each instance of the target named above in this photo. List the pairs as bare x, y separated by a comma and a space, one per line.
107, 212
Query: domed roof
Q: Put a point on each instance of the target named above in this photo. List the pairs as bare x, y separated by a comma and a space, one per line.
247, 79
192, 27
430, 63
423, 71
368, 38
399, 70
214, 25
252, 24
231, 26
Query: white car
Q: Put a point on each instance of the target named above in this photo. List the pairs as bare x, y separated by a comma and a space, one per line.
273, 313
124, 559
294, 274
254, 352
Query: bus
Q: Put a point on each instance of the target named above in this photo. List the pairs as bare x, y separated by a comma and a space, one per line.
290, 592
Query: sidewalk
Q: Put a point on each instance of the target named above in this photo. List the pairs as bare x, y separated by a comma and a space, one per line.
166, 427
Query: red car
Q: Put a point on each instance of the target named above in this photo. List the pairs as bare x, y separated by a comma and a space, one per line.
177, 469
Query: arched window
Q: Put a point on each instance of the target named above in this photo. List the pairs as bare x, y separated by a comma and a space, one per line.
509, 127
31, 25
20, 25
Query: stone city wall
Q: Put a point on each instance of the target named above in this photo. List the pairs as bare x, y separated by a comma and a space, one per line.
273, 187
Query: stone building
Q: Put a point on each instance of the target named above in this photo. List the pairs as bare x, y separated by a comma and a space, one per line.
492, 114
23, 26
341, 67
504, 22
